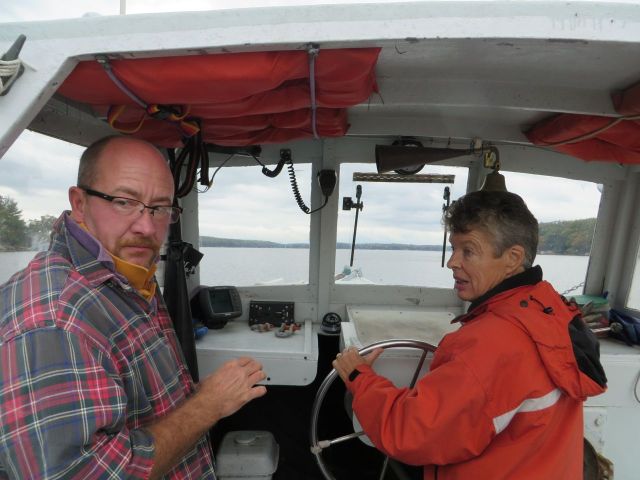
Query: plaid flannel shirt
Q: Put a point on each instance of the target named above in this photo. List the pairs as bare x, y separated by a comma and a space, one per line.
85, 363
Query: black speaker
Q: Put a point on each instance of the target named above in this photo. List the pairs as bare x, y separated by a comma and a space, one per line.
412, 158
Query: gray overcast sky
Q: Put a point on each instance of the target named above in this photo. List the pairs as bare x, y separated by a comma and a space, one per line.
36, 171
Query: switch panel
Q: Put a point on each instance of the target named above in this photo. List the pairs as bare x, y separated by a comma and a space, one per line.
275, 313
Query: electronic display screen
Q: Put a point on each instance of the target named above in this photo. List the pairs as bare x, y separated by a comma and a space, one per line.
213, 306
221, 301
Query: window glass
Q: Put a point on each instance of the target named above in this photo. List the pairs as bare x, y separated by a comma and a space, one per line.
399, 234
634, 294
566, 211
252, 231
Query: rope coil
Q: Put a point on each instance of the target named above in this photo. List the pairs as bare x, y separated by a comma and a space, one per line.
9, 70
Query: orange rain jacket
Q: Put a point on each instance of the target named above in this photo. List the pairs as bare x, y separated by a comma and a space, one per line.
503, 397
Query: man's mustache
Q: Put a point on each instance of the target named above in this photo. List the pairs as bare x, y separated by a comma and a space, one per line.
143, 242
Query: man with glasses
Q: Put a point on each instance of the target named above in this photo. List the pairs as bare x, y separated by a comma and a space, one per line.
92, 380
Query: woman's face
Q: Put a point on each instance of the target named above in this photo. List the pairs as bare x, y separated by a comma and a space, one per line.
476, 269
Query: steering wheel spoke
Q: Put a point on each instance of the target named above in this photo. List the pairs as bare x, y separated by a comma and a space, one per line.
322, 444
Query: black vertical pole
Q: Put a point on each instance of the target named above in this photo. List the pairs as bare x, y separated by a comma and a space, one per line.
355, 224
445, 207
176, 296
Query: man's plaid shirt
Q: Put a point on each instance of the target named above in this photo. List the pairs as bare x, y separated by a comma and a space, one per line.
85, 363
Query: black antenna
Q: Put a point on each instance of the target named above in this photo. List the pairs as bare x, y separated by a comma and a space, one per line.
348, 204
445, 206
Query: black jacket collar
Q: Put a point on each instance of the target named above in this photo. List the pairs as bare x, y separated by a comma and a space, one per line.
530, 276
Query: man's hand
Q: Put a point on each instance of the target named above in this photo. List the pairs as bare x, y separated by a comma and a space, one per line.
219, 395
349, 359
231, 386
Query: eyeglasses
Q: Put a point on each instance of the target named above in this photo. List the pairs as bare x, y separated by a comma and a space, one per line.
128, 206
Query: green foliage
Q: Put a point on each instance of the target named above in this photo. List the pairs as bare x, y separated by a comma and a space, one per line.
571, 237
13, 230
232, 242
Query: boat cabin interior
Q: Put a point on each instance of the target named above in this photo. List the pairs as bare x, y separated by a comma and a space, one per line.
343, 110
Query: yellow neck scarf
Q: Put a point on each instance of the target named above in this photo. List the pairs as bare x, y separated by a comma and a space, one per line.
139, 277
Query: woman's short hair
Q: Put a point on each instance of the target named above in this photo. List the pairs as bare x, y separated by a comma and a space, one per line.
502, 215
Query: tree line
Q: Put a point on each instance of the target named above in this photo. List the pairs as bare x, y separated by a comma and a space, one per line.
571, 237
18, 234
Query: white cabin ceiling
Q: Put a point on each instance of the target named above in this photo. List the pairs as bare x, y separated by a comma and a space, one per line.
446, 69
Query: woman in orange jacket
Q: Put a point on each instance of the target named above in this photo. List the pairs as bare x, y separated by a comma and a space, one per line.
503, 397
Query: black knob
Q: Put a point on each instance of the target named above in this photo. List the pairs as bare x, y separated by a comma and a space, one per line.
331, 323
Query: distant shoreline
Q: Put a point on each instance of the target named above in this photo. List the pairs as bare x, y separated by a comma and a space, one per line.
570, 237
215, 242
235, 243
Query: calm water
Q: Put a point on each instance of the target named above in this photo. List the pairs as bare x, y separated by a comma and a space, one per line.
251, 266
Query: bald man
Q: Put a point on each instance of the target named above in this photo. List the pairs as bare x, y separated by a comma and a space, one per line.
93, 383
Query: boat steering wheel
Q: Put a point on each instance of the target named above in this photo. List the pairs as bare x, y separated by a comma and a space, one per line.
317, 446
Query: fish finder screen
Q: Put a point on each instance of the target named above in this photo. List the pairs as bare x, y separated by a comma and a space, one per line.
221, 301
213, 306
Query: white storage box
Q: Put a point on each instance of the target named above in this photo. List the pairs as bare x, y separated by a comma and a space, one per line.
250, 454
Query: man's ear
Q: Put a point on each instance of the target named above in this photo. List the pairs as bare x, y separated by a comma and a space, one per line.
515, 257
77, 200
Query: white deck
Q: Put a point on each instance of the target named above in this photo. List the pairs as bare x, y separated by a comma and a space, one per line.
371, 324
